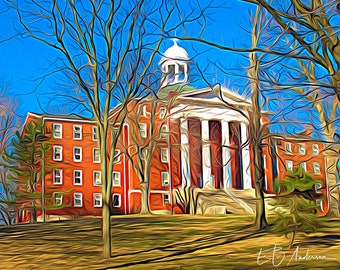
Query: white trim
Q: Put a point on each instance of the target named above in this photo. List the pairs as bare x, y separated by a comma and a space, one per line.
143, 129
302, 149
60, 131
163, 197
80, 177
159, 191
100, 199
119, 178
80, 130
287, 166
117, 157
164, 131
319, 165
288, 148
161, 113
303, 165
80, 154
119, 200
227, 174
61, 198
206, 159
163, 174
315, 146
185, 153
94, 132
80, 198
166, 160
245, 158
61, 152
94, 155
61, 177
94, 178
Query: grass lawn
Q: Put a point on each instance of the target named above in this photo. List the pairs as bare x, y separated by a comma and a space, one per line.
165, 242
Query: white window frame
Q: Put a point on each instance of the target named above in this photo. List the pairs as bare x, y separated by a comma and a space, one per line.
166, 194
143, 129
164, 131
302, 149
80, 154
80, 198
113, 179
94, 178
97, 197
80, 131
315, 149
55, 197
303, 166
166, 155
80, 177
119, 200
61, 152
60, 131
315, 165
288, 148
60, 182
117, 155
287, 165
162, 112
94, 155
95, 133
163, 174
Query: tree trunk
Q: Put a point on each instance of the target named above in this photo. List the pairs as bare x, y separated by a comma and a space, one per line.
106, 229
145, 208
292, 238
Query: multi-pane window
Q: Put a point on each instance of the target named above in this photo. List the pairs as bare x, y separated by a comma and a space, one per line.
143, 130
57, 131
288, 147
77, 154
97, 178
116, 200
116, 156
78, 199
77, 132
164, 131
97, 200
317, 167
57, 198
162, 112
315, 149
57, 176
77, 177
289, 165
165, 179
57, 153
96, 155
302, 149
303, 166
164, 154
318, 187
116, 179
166, 198
95, 133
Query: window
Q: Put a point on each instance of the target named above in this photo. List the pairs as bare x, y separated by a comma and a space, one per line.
164, 155
317, 168
143, 130
144, 110
96, 155
77, 132
116, 179
97, 178
302, 149
116, 156
116, 200
57, 131
57, 198
288, 147
97, 200
303, 166
318, 187
95, 133
57, 153
165, 179
77, 177
164, 132
77, 154
162, 112
78, 199
166, 199
315, 149
57, 176
289, 165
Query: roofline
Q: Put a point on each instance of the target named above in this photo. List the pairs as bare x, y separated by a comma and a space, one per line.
62, 118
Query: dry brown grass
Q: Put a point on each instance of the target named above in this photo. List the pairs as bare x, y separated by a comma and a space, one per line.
161, 242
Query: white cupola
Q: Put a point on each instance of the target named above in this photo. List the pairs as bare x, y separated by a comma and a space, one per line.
174, 65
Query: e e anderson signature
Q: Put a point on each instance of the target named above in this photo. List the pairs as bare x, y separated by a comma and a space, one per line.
277, 257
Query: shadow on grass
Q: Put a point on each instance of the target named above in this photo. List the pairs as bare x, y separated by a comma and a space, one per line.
326, 240
183, 248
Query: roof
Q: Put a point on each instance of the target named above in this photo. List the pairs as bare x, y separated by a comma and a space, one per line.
63, 118
175, 52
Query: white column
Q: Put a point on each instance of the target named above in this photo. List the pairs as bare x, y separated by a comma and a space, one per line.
206, 160
227, 175
245, 158
185, 161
